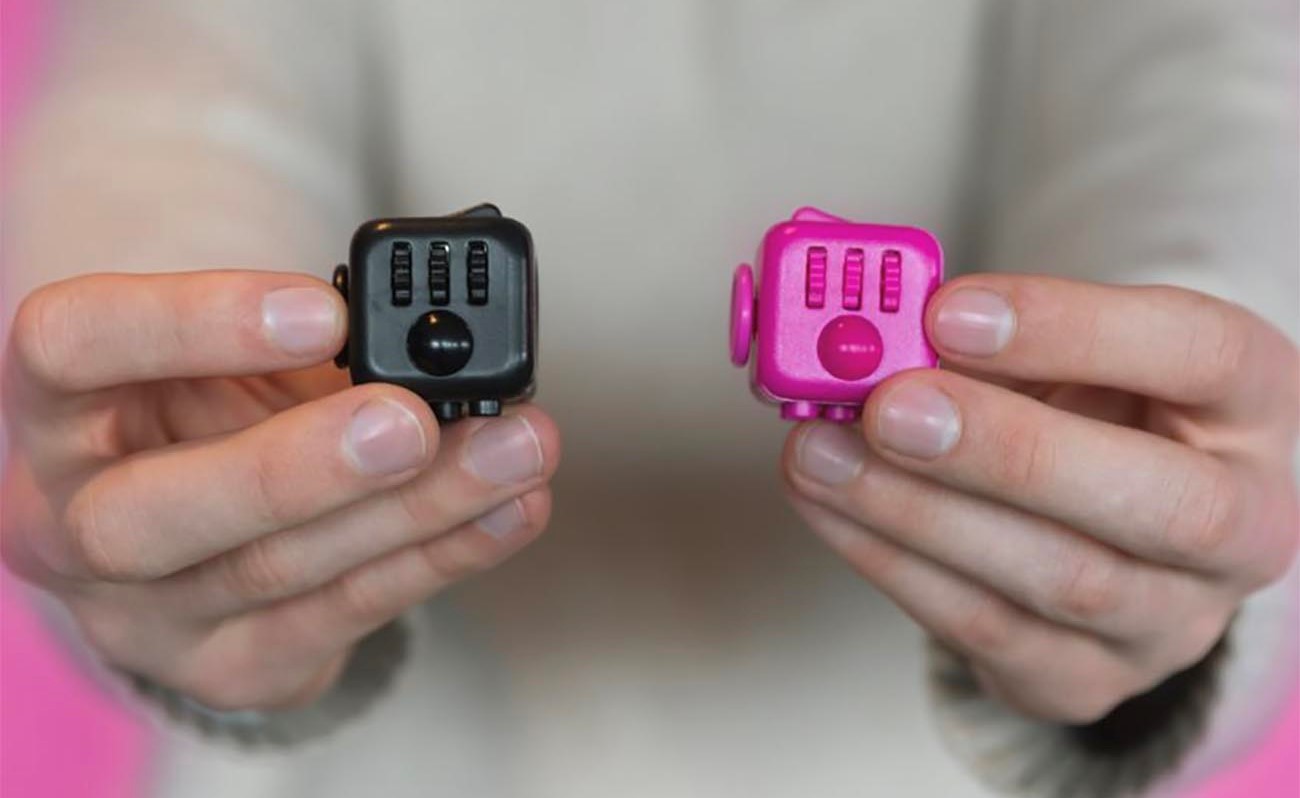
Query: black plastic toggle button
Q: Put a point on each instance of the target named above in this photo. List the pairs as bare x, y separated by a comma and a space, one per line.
341, 285
439, 273
401, 263
478, 273
440, 343
448, 411
485, 407
483, 210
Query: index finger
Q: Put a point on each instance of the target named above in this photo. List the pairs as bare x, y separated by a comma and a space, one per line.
107, 330
1163, 342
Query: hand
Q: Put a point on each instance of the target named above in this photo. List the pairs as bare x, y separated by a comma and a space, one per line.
1083, 503
220, 512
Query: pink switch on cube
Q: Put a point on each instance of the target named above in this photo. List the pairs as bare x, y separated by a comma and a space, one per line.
840, 307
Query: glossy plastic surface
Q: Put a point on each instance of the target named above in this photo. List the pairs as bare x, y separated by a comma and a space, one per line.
840, 306
742, 314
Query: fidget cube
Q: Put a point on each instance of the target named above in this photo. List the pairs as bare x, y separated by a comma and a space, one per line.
840, 307
444, 306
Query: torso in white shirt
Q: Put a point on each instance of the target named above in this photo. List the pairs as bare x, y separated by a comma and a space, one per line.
677, 632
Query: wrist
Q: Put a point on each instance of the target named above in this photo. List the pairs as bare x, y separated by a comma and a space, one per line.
1140, 742
363, 677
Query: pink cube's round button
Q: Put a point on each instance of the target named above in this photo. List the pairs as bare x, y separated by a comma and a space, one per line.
742, 314
850, 347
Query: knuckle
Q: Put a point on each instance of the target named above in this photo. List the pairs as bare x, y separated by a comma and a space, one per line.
39, 336
871, 555
915, 510
1193, 640
414, 510
105, 626
14, 555
95, 548
1288, 382
1216, 348
258, 572
1089, 334
1091, 588
790, 473
357, 596
267, 477
224, 687
1094, 689
424, 508
1026, 456
249, 670
1267, 571
451, 559
24, 525
1204, 516
1279, 518
989, 627
1090, 704
874, 559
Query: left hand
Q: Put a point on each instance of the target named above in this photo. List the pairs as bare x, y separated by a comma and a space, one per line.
1079, 506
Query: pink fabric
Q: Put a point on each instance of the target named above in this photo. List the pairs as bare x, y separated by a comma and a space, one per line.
1272, 770
61, 737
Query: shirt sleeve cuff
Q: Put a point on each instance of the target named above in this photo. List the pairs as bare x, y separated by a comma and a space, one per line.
1141, 741
367, 676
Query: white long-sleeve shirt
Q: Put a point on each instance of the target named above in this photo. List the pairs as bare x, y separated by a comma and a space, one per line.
676, 633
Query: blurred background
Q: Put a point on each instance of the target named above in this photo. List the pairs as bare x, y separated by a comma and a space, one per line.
61, 734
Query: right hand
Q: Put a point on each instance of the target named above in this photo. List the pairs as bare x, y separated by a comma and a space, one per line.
217, 508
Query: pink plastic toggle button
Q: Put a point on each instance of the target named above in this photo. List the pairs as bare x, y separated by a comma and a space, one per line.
742, 314
816, 290
853, 268
850, 348
891, 281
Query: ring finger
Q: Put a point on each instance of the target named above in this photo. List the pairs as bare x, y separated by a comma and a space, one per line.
1043, 566
1086, 679
480, 467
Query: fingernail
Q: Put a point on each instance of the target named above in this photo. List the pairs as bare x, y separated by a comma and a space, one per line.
918, 421
301, 321
384, 438
831, 454
505, 451
504, 521
974, 322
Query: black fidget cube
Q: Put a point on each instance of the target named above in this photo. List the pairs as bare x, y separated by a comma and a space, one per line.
444, 306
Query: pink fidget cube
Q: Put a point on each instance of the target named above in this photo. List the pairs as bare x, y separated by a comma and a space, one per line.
840, 307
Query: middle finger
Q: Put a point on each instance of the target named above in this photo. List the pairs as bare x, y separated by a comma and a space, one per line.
479, 466
1143, 494
1041, 565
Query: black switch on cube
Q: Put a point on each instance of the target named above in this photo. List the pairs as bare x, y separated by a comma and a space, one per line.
446, 307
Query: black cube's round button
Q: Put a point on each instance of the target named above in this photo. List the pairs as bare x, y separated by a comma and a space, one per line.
440, 343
